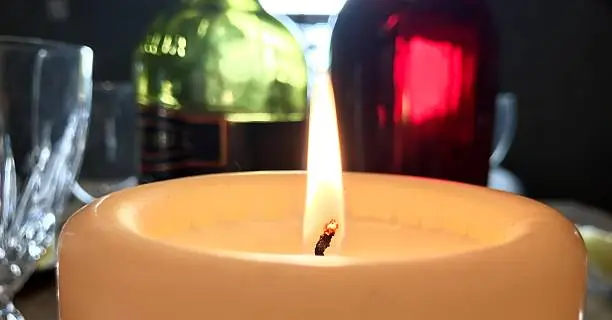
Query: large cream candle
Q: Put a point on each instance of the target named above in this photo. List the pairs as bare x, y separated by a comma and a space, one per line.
240, 246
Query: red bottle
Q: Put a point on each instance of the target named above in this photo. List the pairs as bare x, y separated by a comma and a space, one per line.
415, 85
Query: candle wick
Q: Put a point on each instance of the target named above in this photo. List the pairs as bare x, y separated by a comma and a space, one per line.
329, 231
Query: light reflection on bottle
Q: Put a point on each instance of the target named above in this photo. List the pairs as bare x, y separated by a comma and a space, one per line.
172, 45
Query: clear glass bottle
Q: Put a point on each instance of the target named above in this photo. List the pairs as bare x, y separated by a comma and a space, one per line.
221, 86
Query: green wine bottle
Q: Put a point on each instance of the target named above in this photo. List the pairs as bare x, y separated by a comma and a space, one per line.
221, 86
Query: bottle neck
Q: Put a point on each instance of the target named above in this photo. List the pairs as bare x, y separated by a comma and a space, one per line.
241, 5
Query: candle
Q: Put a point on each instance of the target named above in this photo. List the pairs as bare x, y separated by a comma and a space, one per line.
241, 246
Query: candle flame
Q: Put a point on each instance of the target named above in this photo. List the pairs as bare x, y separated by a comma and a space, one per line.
324, 188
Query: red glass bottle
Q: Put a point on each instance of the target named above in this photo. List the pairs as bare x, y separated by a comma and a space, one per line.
415, 84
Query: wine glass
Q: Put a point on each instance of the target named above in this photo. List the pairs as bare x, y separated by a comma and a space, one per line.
111, 157
45, 101
110, 161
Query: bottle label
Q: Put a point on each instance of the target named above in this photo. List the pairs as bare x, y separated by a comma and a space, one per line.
177, 144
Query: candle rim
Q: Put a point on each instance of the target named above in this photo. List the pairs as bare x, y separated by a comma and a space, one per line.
522, 232
520, 235
523, 236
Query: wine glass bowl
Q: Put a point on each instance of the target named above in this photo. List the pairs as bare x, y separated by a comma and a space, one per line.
45, 101
110, 161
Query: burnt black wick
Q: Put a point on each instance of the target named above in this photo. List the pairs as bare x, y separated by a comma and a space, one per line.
329, 231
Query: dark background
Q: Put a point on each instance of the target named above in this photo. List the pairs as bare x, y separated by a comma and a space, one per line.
556, 56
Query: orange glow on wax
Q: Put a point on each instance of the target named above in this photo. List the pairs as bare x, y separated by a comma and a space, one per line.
324, 188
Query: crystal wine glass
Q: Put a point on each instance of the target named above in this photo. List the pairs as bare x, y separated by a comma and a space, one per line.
111, 158
45, 101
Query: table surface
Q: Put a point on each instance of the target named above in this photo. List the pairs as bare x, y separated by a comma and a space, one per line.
38, 300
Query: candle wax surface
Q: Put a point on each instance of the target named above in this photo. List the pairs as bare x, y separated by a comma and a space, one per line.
364, 239
230, 247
